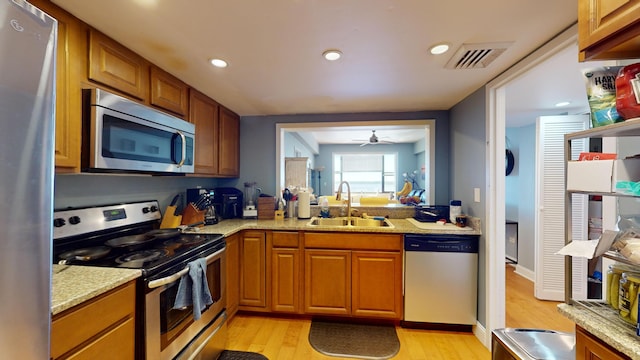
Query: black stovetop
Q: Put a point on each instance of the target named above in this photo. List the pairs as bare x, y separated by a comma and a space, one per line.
154, 256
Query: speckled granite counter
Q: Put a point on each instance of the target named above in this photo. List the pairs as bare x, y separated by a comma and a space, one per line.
614, 333
73, 285
400, 226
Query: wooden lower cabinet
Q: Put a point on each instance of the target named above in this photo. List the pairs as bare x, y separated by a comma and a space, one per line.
286, 272
253, 289
102, 328
376, 284
327, 279
233, 274
285, 280
589, 347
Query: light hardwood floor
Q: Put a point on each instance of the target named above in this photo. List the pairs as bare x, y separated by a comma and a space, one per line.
286, 338
523, 310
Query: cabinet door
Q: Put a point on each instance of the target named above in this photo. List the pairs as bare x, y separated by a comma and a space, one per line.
70, 68
229, 143
203, 112
607, 28
588, 347
327, 281
233, 274
285, 280
114, 65
169, 92
253, 269
376, 284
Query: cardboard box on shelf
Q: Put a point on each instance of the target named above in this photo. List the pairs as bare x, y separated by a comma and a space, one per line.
601, 175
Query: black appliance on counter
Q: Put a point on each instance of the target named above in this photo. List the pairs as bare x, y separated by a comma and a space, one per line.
228, 202
431, 213
127, 236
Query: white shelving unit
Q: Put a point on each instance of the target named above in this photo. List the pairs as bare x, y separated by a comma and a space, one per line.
628, 128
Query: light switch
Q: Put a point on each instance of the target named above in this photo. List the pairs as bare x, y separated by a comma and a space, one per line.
476, 195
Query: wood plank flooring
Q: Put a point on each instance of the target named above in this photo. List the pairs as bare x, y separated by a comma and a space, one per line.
287, 338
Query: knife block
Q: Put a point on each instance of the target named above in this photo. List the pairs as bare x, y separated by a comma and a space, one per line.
192, 215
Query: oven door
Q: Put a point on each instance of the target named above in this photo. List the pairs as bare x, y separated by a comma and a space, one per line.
128, 136
173, 333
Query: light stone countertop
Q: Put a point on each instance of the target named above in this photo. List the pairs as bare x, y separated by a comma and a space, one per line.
73, 285
400, 226
611, 331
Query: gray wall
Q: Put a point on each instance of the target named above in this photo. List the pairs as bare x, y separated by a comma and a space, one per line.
468, 171
520, 191
258, 148
101, 189
406, 160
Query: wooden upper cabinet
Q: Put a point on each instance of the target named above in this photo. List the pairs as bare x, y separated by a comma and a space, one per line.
169, 92
608, 29
116, 66
229, 143
203, 112
70, 72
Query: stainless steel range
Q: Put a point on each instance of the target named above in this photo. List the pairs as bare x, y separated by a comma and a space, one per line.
127, 235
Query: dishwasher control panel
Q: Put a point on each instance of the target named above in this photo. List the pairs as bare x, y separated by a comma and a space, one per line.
441, 243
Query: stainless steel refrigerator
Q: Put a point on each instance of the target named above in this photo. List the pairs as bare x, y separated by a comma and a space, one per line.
27, 108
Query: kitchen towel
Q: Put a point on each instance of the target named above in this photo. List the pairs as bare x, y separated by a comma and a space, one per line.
193, 288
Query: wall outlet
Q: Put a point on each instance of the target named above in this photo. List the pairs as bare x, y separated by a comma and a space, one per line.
476, 195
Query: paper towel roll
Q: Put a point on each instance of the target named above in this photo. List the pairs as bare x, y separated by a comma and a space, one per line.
304, 209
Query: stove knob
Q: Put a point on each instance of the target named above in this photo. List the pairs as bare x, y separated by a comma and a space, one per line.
74, 220
154, 208
59, 222
145, 210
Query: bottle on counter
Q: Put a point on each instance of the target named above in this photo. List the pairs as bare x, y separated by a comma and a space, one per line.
455, 210
324, 208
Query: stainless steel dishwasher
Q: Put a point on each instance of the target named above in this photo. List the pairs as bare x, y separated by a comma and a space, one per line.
441, 278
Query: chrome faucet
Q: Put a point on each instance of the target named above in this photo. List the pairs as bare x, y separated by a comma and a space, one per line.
348, 198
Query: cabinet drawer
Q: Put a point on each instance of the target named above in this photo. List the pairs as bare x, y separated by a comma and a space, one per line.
353, 241
119, 340
79, 324
285, 239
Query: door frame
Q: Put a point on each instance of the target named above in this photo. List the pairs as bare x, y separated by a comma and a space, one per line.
495, 95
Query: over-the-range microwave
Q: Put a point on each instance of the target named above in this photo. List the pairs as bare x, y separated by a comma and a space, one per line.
121, 135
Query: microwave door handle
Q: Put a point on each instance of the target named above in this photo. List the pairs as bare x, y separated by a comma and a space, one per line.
175, 277
184, 148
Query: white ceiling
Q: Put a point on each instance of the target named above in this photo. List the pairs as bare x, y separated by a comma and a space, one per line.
274, 50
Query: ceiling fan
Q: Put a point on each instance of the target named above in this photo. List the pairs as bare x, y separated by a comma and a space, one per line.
373, 140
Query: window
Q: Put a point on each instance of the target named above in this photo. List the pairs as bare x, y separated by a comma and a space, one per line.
366, 173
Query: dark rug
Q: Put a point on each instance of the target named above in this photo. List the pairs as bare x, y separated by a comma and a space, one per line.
240, 355
363, 341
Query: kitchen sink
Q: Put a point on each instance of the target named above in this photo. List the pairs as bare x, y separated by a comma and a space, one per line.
354, 222
329, 221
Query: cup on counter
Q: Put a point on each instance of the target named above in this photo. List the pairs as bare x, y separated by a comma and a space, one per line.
461, 220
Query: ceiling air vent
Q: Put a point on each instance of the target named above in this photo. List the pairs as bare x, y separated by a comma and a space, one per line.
476, 56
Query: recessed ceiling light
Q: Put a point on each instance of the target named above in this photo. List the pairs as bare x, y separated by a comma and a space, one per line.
332, 55
219, 63
439, 49
563, 103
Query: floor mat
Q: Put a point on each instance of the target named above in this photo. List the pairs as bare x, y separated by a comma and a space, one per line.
362, 341
240, 355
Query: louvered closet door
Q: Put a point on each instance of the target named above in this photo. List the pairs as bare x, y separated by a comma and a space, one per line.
550, 195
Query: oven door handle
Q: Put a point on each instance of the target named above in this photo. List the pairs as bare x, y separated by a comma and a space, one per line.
175, 277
